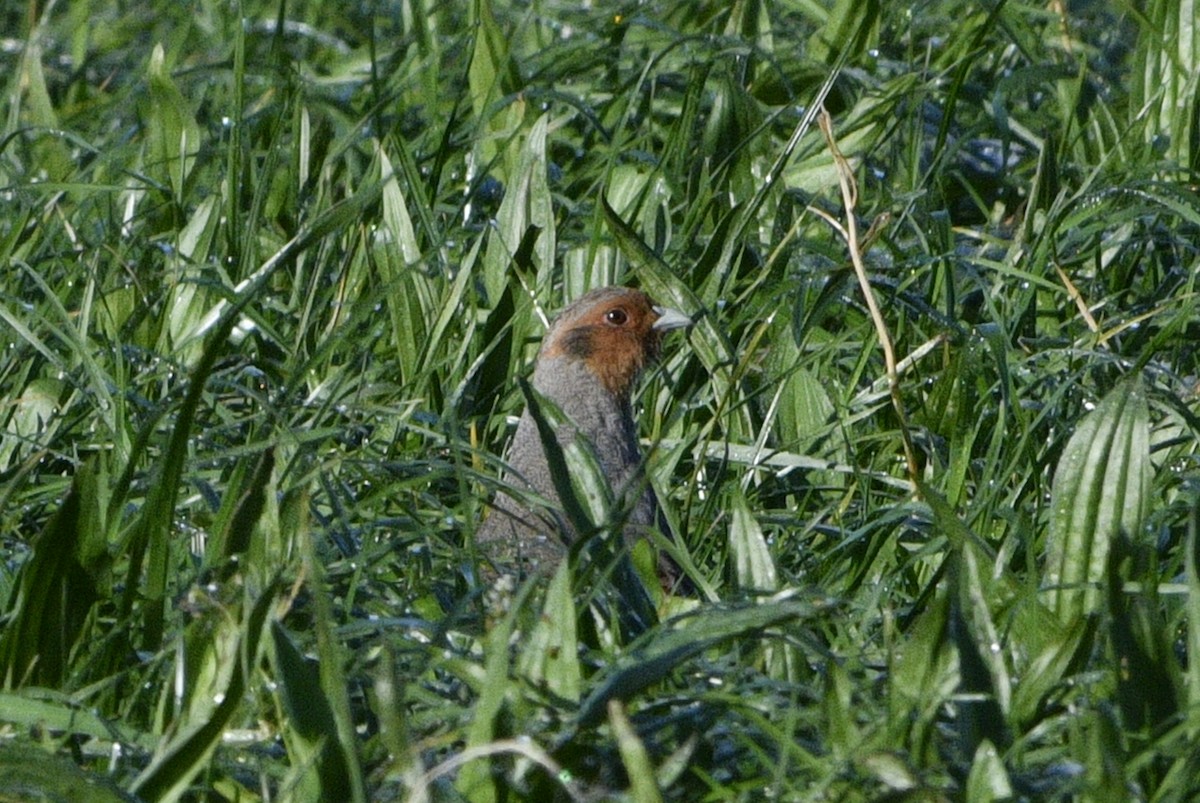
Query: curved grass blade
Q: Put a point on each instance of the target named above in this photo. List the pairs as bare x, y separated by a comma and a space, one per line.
663, 649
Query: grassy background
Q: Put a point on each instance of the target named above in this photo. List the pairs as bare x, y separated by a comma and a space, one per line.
268, 273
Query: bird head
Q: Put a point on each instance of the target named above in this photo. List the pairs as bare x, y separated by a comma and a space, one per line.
615, 332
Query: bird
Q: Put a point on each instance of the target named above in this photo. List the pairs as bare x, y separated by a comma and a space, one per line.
587, 366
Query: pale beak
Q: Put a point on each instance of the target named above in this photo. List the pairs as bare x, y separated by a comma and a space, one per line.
669, 319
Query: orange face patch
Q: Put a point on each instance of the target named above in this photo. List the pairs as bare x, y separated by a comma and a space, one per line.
612, 331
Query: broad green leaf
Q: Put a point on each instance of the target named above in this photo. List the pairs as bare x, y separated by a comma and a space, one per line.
186, 752
750, 21
976, 590
32, 419
71, 336
475, 780
988, 779
856, 133
250, 493
551, 651
527, 201
1166, 79
38, 108
492, 78
804, 412
397, 225
1106, 773
39, 708
493, 72
173, 137
922, 673
406, 286
339, 769
755, 572
188, 298
730, 130
891, 771
1101, 490
754, 568
319, 769
1142, 644
837, 709
52, 598
850, 23
1045, 670
525, 218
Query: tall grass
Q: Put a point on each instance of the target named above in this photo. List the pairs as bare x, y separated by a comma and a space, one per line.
270, 273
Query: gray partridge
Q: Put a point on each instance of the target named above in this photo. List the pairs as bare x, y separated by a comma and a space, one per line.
587, 366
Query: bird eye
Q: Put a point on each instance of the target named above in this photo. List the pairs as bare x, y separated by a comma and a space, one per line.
616, 317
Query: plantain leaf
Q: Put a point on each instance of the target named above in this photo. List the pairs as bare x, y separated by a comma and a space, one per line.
753, 566
31, 419
1100, 490
988, 779
173, 136
397, 255
188, 297
207, 646
851, 23
311, 732
492, 76
1167, 57
55, 591
551, 653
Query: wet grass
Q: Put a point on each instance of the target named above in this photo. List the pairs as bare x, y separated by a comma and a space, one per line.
929, 453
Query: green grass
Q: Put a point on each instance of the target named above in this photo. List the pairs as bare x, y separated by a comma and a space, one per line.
268, 276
